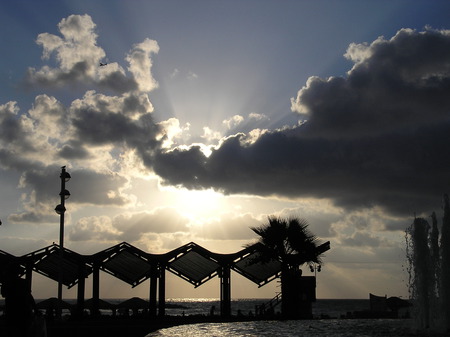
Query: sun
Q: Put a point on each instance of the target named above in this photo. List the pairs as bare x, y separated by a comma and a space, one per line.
197, 203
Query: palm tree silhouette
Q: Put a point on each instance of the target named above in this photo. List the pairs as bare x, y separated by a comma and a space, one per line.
290, 242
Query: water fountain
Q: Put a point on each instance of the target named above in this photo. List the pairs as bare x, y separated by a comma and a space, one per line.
445, 264
429, 271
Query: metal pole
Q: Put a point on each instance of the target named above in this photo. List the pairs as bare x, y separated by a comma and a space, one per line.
61, 239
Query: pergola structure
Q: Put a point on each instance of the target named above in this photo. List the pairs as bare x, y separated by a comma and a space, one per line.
190, 262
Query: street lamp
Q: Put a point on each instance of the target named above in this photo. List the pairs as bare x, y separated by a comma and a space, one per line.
314, 268
61, 209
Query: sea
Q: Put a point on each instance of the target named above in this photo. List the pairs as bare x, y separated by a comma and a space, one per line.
322, 308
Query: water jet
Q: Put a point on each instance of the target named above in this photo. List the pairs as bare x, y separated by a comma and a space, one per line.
429, 271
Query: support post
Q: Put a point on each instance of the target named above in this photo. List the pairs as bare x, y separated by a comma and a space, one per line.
153, 291
95, 289
162, 291
80, 289
225, 292
29, 274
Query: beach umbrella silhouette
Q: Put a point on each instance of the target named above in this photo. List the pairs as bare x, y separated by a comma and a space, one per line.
102, 304
134, 303
52, 303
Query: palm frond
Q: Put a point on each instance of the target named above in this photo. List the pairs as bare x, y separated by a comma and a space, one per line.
288, 240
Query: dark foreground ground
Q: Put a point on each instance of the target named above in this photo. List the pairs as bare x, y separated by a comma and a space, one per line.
122, 327
137, 327
140, 327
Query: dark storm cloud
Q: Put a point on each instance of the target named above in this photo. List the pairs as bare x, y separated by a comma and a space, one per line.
90, 187
86, 187
41, 185
12, 131
73, 150
30, 216
10, 160
376, 137
33, 144
118, 82
395, 84
79, 75
122, 121
49, 132
98, 128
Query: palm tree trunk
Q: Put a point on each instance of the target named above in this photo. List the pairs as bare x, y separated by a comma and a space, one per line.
290, 292
285, 292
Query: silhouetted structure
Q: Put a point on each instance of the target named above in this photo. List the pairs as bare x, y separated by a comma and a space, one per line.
290, 242
19, 303
190, 262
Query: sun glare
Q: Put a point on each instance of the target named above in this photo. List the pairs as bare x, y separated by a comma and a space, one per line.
199, 203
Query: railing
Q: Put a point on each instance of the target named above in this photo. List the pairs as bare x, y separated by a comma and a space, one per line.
268, 307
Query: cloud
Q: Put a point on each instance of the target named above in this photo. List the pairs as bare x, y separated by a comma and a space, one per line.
95, 228
20, 246
376, 137
364, 239
258, 117
34, 211
185, 75
192, 76
78, 44
78, 58
252, 124
171, 131
141, 64
86, 186
227, 226
233, 121
99, 119
210, 135
160, 220
99, 133
395, 85
174, 73
129, 227
13, 130
93, 132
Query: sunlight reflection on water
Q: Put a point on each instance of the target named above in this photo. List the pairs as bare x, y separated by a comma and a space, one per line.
332, 327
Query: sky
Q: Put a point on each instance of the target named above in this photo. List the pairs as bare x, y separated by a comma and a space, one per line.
211, 116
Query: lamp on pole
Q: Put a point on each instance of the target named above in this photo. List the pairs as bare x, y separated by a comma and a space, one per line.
314, 268
61, 209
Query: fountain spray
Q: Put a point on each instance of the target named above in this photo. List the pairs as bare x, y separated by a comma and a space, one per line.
429, 269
